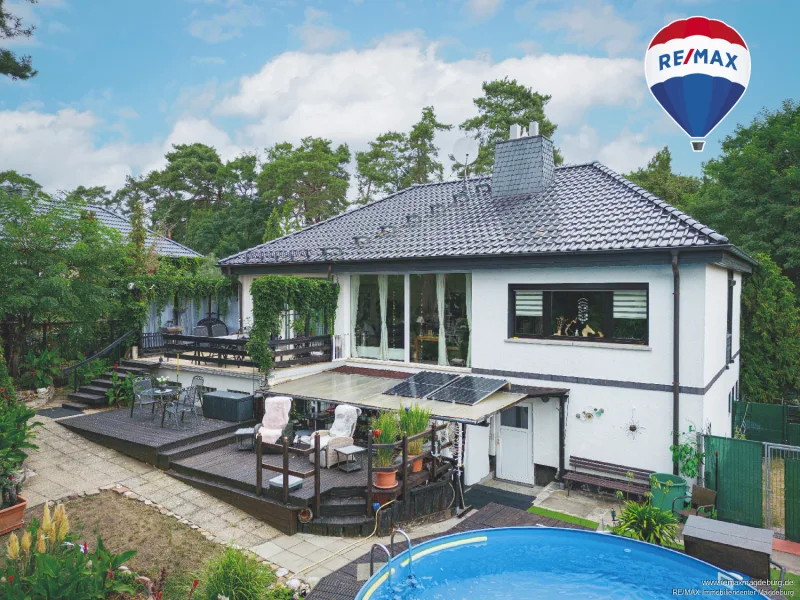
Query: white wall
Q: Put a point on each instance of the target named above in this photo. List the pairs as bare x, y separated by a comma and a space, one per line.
476, 459
652, 364
545, 421
716, 321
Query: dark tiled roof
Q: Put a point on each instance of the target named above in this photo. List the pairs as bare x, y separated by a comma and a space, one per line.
163, 245
588, 207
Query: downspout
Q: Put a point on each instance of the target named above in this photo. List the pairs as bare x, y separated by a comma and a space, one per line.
562, 450
676, 354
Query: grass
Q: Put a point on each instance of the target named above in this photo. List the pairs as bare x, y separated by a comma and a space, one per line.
159, 541
544, 512
791, 584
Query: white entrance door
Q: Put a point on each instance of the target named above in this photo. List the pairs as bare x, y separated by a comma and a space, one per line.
515, 461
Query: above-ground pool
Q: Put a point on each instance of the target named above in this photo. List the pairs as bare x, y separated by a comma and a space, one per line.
544, 562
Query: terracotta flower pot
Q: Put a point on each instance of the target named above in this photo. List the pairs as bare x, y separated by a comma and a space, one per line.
11, 518
416, 465
385, 479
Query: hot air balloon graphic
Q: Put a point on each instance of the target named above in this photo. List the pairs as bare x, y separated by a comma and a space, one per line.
697, 70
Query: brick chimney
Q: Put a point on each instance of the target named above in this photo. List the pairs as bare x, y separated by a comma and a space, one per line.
523, 164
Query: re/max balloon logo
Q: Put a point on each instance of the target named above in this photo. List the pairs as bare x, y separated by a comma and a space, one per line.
697, 56
697, 70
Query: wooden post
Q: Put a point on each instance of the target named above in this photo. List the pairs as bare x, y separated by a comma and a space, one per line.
259, 465
433, 449
369, 473
405, 477
316, 476
285, 470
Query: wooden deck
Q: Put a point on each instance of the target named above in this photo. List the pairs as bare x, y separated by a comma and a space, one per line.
344, 585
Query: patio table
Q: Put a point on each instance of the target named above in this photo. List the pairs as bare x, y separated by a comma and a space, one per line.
164, 397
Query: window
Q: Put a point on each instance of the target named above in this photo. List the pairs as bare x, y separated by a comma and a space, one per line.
516, 416
729, 336
368, 325
596, 312
425, 319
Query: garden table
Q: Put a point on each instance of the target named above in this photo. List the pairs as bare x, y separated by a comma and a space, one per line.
165, 396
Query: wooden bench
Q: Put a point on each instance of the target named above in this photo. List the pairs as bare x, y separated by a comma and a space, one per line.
617, 478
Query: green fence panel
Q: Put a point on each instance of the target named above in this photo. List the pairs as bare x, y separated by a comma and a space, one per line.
761, 422
734, 469
794, 434
792, 498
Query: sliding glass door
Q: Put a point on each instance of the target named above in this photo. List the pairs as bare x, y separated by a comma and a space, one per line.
439, 319
379, 325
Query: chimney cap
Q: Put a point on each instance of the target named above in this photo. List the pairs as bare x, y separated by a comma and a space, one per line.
516, 131
534, 128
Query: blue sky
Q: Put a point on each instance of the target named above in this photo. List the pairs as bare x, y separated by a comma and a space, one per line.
119, 82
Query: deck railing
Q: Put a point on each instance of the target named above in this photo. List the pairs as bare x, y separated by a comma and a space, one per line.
433, 472
285, 450
151, 343
302, 350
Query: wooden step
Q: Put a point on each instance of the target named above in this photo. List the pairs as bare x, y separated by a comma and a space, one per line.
343, 507
166, 458
93, 389
103, 383
76, 406
109, 374
90, 399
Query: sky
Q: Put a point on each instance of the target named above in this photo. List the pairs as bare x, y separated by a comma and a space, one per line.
120, 82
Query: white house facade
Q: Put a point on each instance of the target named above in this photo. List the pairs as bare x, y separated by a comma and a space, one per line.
568, 279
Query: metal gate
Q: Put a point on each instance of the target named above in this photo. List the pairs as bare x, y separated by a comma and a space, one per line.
734, 469
782, 490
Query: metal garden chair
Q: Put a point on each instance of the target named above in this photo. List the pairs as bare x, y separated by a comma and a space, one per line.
187, 403
143, 394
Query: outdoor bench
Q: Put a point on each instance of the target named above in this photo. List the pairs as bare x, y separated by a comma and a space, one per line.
608, 476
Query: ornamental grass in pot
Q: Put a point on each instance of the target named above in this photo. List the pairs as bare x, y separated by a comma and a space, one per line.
384, 431
414, 420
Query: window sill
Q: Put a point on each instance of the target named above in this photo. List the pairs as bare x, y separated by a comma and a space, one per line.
606, 345
407, 365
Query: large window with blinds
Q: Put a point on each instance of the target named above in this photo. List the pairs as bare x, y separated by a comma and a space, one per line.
616, 313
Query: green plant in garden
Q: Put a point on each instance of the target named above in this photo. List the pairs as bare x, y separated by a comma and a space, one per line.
413, 420
686, 454
647, 523
49, 563
237, 576
384, 431
39, 371
16, 436
121, 391
272, 294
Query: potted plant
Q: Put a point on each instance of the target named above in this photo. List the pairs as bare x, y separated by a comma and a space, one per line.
16, 433
384, 431
413, 420
162, 382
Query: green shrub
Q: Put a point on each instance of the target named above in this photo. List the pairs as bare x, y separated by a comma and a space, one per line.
236, 576
647, 523
121, 391
413, 420
48, 563
39, 371
384, 431
7, 393
16, 436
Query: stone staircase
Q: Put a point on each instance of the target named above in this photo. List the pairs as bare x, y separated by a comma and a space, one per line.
93, 395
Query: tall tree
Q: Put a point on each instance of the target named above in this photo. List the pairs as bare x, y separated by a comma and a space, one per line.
503, 104
398, 160
657, 178
770, 334
16, 67
309, 180
752, 191
138, 238
58, 262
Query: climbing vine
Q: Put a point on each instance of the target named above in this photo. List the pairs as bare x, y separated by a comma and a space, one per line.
272, 294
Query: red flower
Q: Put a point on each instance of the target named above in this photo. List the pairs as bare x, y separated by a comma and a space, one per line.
195, 583
10, 579
110, 574
376, 433
116, 366
85, 548
159, 595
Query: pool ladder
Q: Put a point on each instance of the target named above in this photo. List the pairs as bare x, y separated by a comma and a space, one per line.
389, 553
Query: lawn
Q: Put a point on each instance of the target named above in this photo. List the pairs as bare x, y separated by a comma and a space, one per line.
159, 541
791, 583
543, 512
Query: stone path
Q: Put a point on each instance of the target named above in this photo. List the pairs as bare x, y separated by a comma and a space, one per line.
67, 466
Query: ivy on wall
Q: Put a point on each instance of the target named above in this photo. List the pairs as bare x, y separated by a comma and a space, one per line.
272, 294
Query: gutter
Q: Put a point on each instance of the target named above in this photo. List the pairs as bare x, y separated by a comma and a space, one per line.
676, 353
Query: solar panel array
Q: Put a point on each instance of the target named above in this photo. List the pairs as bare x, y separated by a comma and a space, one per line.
469, 389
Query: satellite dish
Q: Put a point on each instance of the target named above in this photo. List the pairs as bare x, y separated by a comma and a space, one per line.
465, 150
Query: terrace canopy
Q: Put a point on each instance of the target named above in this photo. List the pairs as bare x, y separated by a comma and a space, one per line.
366, 391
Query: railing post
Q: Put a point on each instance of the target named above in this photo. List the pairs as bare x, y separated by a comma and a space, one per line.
406, 507
433, 449
369, 473
259, 465
285, 470
316, 476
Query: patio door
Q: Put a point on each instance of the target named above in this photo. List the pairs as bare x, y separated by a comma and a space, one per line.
515, 460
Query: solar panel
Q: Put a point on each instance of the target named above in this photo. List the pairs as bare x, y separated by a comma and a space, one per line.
468, 390
421, 384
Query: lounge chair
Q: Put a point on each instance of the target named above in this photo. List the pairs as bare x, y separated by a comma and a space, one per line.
338, 436
275, 425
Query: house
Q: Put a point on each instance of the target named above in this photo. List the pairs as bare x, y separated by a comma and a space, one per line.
613, 317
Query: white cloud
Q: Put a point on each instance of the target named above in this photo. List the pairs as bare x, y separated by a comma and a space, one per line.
594, 24
317, 32
481, 10
625, 153
225, 25
355, 95
208, 60
57, 27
